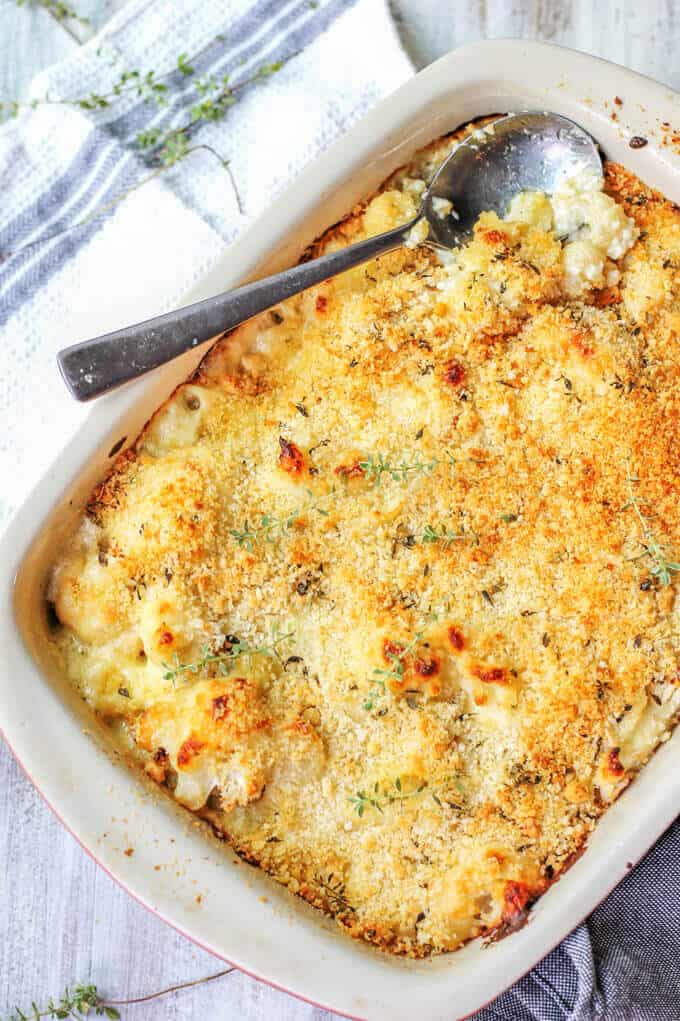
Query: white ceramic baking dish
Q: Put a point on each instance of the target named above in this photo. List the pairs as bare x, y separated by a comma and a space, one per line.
243, 916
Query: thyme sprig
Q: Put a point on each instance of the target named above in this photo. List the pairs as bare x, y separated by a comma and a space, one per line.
83, 999
225, 659
397, 657
446, 537
60, 11
74, 1003
215, 96
395, 671
335, 892
162, 149
379, 797
273, 526
375, 466
661, 567
145, 85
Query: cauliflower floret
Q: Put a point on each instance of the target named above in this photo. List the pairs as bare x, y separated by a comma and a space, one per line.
583, 267
532, 208
581, 207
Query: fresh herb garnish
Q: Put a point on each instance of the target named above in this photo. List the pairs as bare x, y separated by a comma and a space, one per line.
375, 466
273, 526
225, 659
378, 798
444, 536
397, 657
661, 568
378, 686
162, 148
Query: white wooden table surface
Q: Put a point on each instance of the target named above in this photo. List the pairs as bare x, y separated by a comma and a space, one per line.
62, 920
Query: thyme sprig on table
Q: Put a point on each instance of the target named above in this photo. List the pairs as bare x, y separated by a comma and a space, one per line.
83, 1000
225, 659
161, 148
379, 797
214, 97
661, 567
74, 1003
60, 11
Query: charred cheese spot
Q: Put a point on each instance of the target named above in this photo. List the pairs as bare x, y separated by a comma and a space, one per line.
291, 458
392, 651
490, 674
428, 667
494, 237
614, 762
456, 639
228, 749
188, 749
516, 898
454, 374
350, 471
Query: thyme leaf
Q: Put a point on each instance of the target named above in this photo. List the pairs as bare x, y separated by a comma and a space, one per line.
80, 1001
661, 567
273, 526
378, 798
375, 466
74, 1003
335, 892
60, 11
224, 660
443, 536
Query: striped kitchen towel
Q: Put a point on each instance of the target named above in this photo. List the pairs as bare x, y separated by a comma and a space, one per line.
62, 166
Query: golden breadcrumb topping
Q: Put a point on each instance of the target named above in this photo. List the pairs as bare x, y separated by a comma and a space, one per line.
386, 592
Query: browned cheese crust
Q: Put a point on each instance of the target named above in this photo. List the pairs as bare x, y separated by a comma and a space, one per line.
455, 491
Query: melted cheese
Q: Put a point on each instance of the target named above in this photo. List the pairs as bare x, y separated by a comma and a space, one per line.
421, 474
597, 227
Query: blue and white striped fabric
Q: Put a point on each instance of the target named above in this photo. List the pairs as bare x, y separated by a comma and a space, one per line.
129, 259
59, 166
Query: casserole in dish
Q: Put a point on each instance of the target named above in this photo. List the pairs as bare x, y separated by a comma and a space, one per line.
393, 979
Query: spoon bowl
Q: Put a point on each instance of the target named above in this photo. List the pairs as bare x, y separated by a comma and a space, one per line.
519, 152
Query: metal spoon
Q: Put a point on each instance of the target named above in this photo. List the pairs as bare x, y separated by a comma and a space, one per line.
527, 151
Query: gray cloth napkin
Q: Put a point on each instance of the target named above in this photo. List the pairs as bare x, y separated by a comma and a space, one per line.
622, 964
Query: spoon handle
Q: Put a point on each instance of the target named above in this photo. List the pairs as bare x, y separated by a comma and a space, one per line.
95, 366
